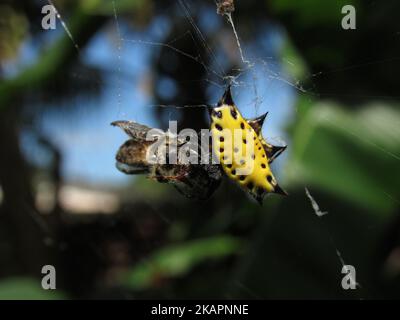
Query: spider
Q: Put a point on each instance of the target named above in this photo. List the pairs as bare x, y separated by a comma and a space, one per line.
244, 154
199, 181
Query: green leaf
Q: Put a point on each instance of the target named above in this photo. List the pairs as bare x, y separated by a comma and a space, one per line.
26, 289
177, 260
354, 155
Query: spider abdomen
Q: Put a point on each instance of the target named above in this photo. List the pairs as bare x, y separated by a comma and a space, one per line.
241, 150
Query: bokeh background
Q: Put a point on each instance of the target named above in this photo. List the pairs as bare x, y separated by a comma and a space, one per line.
332, 96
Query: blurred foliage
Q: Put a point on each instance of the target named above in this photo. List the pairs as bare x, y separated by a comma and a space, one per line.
311, 12
13, 30
352, 154
344, 147
178, 260
26, 289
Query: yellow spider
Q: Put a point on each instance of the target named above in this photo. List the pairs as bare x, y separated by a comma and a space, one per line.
242, 151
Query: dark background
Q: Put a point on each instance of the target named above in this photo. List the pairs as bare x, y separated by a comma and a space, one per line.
63, 203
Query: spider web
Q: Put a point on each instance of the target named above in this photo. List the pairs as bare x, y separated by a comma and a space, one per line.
216, 76
235, 80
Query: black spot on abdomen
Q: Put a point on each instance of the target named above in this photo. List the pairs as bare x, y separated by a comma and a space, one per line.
217, 114
234, 114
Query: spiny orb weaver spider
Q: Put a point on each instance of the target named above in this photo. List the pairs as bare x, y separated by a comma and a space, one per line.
199, 180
